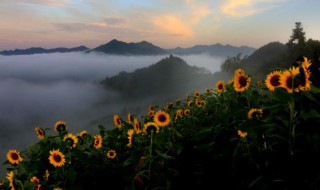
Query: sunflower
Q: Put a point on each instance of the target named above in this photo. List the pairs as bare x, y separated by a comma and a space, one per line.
168, 105
178, 101
56, 158
14, 157
40, 132
241, 81
186, 112
117, 121
83, 134
129, 118
60, 126
289, 81
111, 154
151, 113
71, 140
254, 113
208, 91
136, 126
46, 175
57, 188
10, 177
273, 80
34, 179
199, 103
161, 118
242, 134
220, 86
151, 108
197, 94
97, 141
179, 113
130, 137
151, 126
190, 103
305, 75
259, 83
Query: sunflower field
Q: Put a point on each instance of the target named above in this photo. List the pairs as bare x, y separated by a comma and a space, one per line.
236, 134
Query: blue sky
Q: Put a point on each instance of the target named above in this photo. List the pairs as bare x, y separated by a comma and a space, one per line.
166, 23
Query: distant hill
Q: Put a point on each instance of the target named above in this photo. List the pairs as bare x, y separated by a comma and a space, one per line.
38, 50
170, 77
123, 48
215, 50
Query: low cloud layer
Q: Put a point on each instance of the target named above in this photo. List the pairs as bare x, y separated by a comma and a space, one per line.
45, 88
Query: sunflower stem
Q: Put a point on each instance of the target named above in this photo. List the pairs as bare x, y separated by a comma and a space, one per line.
150, 154
291, 127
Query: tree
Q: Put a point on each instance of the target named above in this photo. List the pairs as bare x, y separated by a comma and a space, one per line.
298, 35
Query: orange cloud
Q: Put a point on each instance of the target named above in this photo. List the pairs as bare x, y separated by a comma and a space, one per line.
173, 25
242, 8
197, 11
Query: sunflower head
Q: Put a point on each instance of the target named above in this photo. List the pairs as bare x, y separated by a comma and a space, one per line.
255, 113
197, 94
161, 118
40, 132
259, 83
14, 157
97, 143
56, 158
186, 112
179, 113
71, 140
111, 154
220, 86
136, 126
129, 118
83, 134
168, 105
272, 80
60, 126
190, 103
151, 126
242, 134
151, 113
10, 177
208, 91
117, 121
130, 137
241, 81
289, 79
34, 179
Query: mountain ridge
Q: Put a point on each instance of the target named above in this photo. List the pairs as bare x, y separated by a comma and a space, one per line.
40, 50
117, 47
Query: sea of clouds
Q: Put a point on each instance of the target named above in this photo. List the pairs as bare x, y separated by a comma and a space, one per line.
41, 89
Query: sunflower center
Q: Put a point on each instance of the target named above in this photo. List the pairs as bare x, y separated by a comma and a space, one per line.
96, 142
14, 156
111, 154
40, 132
118, 121
61, 127
57, 158
289, 82
275, 80
70, 141
220, 86
150, 128
162, 118
242, 81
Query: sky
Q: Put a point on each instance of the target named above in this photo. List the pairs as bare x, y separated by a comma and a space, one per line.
165, 23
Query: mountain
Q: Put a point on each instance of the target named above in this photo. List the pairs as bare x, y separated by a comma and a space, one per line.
38, 50
215, 49
170, 77
123, 48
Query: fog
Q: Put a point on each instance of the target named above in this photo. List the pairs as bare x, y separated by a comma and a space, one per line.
41, 89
